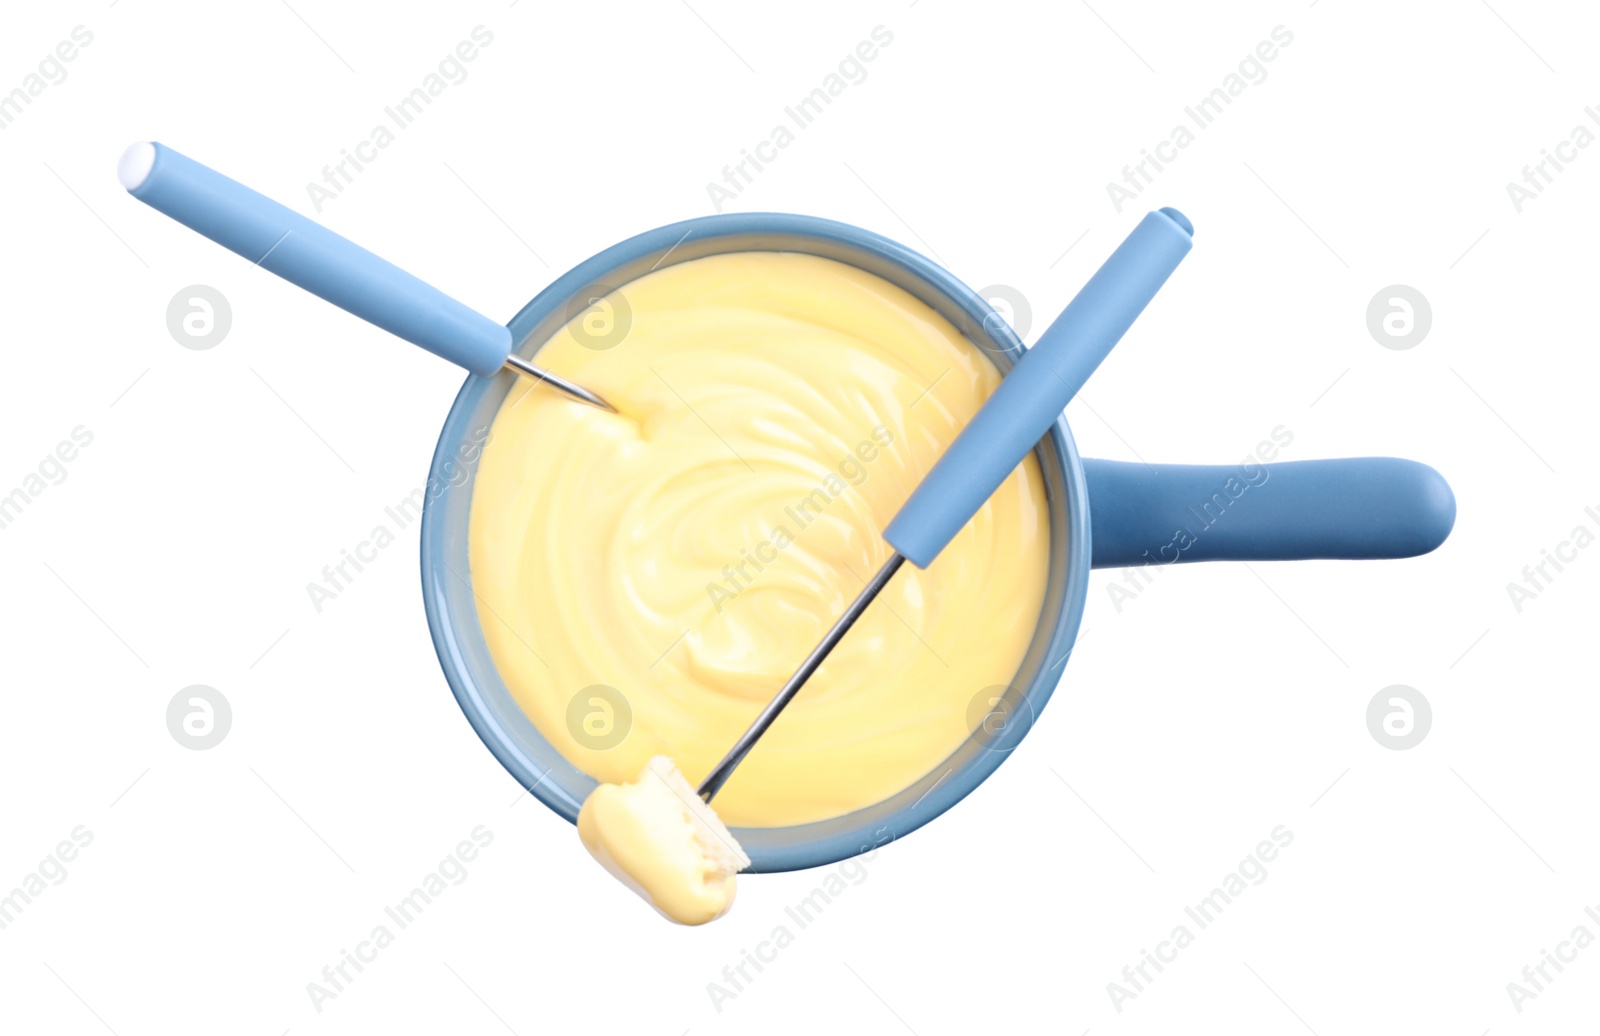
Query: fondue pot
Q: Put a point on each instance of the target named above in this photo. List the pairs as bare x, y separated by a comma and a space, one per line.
1101, 514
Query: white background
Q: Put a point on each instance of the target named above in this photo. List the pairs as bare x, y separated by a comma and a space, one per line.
1219, 703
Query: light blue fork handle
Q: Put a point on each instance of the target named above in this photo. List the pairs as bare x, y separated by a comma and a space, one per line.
1363, 507
1032, 396
310, 255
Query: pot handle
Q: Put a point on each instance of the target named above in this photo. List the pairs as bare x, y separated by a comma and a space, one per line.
1361, 507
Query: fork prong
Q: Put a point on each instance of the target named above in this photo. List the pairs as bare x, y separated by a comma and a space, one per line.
556, 381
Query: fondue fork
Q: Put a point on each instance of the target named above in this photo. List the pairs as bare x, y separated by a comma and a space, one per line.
1010, 423
308, 254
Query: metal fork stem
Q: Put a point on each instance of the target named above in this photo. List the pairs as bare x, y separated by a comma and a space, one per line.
556, 381
719, 776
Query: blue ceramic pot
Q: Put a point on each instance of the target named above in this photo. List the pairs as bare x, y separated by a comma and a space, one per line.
1374, 507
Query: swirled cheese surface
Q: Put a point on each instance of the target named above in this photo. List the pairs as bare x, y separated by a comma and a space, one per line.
646, 581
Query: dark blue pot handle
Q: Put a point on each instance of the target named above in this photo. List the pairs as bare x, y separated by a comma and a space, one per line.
1363, 507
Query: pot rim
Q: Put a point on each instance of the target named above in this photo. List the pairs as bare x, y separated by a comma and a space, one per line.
452, 614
